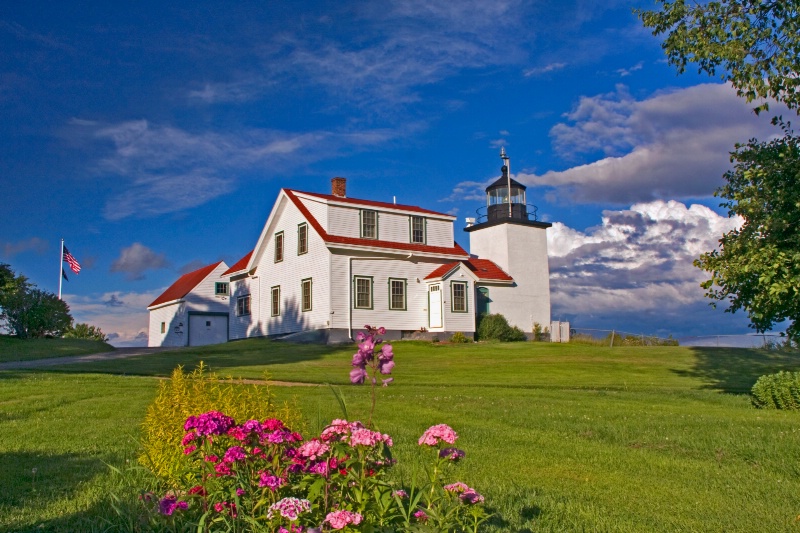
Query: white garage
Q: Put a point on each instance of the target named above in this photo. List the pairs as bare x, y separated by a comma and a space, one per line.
207, 328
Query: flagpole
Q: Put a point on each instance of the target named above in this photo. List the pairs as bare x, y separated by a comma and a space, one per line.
61, 269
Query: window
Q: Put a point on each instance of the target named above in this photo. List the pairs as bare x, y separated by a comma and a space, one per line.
362, 288
276, 300
369, 224
208, 323
243, 305
483, 301
458, 296
306, 290
221, 288
163, 327
279, 247
302, 238
417, 229
397, 294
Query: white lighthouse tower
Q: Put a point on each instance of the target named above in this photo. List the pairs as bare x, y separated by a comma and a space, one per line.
508, 233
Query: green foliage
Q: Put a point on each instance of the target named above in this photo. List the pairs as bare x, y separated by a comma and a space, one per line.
758, 267
85, 331
459, 338
14, 349
540, 334
188, 394
29, 312
751, 43
495, 327
777, 391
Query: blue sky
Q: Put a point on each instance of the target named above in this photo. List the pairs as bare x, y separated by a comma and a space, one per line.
154, 139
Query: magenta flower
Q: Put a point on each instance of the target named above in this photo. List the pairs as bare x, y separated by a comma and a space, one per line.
434, 434
270, 481
453, 454
421, 516
471, 497
233, 454
366, 437
210, 423
313, 449
381, 330
189, 449
342, 519
385, 367
386, 352
188, 438
169, 503
357, 376
457, 487
360, 336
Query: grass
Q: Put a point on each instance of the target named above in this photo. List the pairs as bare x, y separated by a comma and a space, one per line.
558, 437
14, 349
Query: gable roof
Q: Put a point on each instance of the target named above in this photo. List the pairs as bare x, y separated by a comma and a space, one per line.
184, 285
373, 243
241, 264
370, 203
483, 269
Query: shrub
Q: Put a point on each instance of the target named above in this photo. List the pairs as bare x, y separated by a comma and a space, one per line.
459, 338
540, 334
199, 391
85, 331
777, 391
495, 327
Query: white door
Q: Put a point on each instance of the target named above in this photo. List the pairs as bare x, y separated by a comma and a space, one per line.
207, 329
435, 306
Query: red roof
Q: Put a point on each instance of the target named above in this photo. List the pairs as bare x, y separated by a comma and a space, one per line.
384, 205
185, 284
241, 264
373, 243
484, 270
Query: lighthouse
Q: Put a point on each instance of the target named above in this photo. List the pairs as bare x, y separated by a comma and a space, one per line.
508, 232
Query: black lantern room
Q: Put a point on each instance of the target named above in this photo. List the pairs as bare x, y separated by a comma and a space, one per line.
505, 198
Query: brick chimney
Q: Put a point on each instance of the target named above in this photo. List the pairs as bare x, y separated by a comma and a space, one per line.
339, 187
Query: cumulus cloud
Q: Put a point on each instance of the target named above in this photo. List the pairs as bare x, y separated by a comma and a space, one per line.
34, 244
636, 267
121, 315
136, 259
673, 144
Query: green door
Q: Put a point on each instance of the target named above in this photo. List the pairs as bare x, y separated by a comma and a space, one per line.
482, 307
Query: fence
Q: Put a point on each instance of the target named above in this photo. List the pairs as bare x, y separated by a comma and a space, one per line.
615, 337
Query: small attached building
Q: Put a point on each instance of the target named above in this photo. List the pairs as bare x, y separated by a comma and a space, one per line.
193, 311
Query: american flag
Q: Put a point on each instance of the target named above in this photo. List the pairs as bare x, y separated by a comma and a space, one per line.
73, 263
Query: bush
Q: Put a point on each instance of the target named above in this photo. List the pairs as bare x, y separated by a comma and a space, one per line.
777, 391
85, 331
540, 334
495, 327
459, 338
200, 391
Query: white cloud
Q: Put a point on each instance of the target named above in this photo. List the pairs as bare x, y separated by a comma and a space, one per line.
623, 72
536, 71
671, 145
125, 320
636, 266
136, 259
168, 169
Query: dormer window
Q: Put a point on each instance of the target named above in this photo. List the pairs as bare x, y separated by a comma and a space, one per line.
417, 229
369, 224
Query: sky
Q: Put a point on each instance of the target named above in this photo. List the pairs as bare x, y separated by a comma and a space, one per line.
154, 138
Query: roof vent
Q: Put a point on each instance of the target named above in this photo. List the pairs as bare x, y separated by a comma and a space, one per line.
339, 187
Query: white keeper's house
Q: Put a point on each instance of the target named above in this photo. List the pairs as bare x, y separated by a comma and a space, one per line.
326, 264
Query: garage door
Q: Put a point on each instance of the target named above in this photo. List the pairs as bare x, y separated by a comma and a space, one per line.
207, 329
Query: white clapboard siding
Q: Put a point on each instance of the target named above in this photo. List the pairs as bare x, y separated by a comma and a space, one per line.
288, 275
439, 232
464, 322
171, 315
241, 326
318, 209
344, 268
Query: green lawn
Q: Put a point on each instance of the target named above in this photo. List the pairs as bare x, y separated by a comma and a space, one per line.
558, 437
14, 349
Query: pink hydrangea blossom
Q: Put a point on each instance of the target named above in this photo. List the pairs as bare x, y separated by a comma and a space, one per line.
434, 434
342, 519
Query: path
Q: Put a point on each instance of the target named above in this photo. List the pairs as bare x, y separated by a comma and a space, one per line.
119, 353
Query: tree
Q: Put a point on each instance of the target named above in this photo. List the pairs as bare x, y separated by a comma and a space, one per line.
85, 331
758, 266
28, 311
754, 44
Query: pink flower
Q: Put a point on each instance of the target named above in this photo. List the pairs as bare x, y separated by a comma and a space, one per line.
273, 424
434, 434
341, 519
188, 438
237, 433
457, 487
189, 449
470, 497
381, 330
313, 449
210, 423
169, 503
240, 492
421, 516
400, 494
357, 376
234, 453
270, 481
290, 508
365, 437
